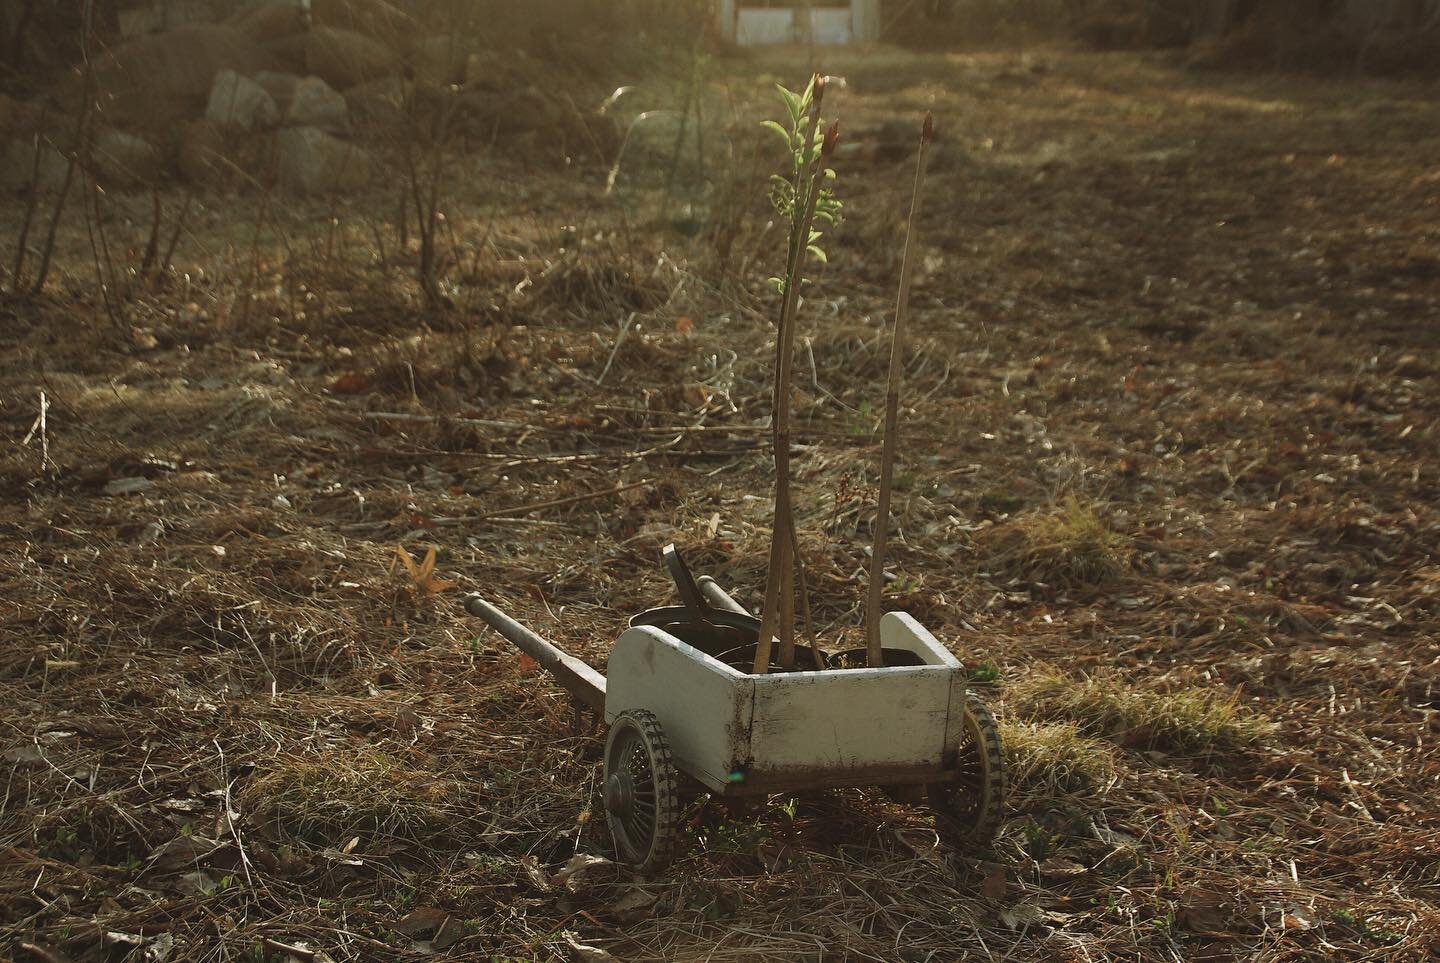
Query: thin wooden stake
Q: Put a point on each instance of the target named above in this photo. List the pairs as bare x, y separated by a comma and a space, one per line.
873, 654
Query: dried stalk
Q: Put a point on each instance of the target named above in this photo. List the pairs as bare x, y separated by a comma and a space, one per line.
32, 200
152, 245
179, 226
873, 653
82, 132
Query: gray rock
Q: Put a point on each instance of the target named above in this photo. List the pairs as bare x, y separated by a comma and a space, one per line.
280, 86
378, 103
18, 165
311, 161
237, 101
316, 104
438, 61
124, 160
344, 58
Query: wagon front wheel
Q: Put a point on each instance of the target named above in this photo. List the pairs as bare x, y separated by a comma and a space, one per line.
970, 806
641, 791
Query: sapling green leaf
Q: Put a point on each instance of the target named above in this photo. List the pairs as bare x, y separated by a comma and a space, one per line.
780, 131
794, 103
799, 199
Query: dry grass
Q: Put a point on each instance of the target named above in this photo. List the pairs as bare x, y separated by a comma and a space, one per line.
330, 797
1067, 547
1129, 293
1188, 721
1047, 759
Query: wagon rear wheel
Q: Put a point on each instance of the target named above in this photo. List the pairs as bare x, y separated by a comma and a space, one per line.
969, 807
641, 791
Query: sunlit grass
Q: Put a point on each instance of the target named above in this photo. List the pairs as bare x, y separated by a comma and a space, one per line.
1067, 546
1055, 758
370, 792
1187, 721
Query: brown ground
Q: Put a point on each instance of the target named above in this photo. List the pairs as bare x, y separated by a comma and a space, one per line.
1173, 427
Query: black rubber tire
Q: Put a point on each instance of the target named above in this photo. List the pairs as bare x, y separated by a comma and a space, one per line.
970, 808
647, 844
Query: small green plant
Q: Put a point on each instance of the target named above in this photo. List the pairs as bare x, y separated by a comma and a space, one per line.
64, 845
806, 143
1040, 841
1362, 926
803, 200
984, 673
862, 421
739, 838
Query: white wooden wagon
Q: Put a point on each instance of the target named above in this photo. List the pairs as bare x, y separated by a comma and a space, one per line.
681, 702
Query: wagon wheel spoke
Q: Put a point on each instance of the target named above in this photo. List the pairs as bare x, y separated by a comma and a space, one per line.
641, 799
970, 805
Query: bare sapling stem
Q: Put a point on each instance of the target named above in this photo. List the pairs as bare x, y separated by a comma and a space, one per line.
873, 653
175, 234
807, 186
32, 200
152, 245
82, 132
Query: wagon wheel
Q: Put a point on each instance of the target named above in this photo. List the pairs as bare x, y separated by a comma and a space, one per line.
641, 791
969, 807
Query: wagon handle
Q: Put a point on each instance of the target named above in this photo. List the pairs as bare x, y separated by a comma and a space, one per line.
690, 594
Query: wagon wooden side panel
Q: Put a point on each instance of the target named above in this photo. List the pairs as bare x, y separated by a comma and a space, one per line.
860, 727
704, 705
899, 630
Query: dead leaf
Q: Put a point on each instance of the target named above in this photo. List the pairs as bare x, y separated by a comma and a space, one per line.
45, 953
182, 851
133, 485
634, 906
350, 383
422, 920
1057, 867
584, 953
527, 664
198, 883
159, 948
422, 576
451, 932
531, 865
993, 886
570, 873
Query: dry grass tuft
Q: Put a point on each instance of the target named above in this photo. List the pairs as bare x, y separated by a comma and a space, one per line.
370, 792
1188, 721
1068, 546
1046, 759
